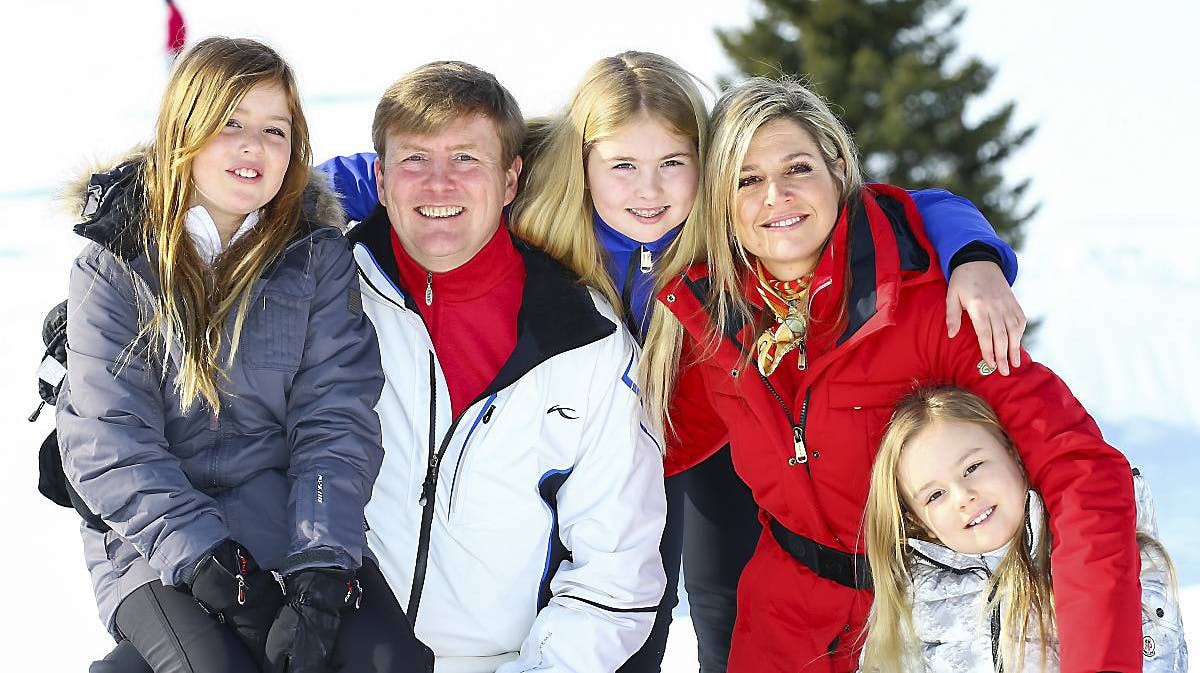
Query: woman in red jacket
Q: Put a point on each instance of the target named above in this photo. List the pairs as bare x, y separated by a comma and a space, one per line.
819, 305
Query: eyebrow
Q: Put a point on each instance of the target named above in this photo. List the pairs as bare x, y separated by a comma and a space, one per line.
662, 158
962, 460
417, 147
795, 155
282, 118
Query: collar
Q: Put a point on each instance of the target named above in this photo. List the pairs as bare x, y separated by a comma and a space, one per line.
474, 279
206, 238
614, 241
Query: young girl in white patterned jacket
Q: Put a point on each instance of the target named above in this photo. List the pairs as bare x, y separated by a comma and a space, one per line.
959, 550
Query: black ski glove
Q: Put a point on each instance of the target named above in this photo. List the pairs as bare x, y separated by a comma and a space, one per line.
304, 633
229, 585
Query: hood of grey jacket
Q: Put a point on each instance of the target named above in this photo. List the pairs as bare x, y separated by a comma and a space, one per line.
285, 468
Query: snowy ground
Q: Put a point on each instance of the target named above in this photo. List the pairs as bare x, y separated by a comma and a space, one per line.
1118, 297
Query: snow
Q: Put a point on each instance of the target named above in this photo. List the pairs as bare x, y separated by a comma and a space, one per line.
1117, 293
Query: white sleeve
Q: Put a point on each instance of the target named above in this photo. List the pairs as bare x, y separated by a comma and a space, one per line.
611, 509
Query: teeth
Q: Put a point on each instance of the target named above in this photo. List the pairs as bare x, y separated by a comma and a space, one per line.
246, 172
653, 212
439, 211
785, 223
983, 516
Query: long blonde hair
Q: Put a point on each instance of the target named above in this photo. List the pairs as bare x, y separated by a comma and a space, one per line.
194, 302
737, 116
553, 210
1021, 584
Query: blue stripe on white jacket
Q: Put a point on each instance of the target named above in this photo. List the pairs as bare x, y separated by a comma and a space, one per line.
532, 543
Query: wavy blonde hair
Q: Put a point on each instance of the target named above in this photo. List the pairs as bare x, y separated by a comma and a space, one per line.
1021, 584
712, 239
195, 302
553, 209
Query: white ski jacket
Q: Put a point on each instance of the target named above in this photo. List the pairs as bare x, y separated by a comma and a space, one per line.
525, 534
957, 637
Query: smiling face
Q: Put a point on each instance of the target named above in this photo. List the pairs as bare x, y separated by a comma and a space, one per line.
444, 192
241, 169
643, 178
787, 199
963, 485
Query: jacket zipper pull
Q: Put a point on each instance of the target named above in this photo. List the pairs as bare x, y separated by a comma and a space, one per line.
429, 288
647, 259
802, 356
427, 486
801, 456
213, 422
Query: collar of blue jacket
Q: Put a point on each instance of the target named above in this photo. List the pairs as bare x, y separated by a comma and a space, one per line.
633, 280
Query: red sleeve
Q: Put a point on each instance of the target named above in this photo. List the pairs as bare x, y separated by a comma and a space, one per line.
1087, 487
694, 431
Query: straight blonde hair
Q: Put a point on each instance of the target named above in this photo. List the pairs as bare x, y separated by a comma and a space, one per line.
1021, 584
553, 209
194, 302
711, 239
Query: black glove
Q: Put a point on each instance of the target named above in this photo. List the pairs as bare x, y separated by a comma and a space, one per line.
229, 585
304, 633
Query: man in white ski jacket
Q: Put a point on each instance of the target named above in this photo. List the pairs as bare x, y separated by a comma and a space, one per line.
519, 509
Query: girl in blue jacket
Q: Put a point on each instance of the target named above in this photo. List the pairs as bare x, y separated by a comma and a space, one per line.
608, 184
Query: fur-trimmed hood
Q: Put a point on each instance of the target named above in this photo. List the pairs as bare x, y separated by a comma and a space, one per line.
108, 197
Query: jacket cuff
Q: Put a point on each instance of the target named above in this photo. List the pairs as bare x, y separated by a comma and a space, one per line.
975, 252
317, 557
176, 558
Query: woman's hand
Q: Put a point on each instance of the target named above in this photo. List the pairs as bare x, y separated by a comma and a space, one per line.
980, 289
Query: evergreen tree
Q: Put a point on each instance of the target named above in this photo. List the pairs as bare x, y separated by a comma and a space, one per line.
889, 69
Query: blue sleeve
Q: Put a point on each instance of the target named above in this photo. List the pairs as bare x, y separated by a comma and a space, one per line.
353, 179
953, 222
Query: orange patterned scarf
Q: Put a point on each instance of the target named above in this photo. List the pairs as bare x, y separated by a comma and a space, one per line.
788, 301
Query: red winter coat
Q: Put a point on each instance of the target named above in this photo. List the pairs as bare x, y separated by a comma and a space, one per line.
891, 336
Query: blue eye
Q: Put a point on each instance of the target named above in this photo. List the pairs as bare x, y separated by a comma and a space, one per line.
800, 168
464, 158
672, 162
748, 180
413, 157
623, 166
233, 124
274, 130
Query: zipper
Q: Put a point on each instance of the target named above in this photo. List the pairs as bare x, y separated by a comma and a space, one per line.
798, 445
483, 417
420, 566
429, 288
627, 295
647, 259
428, 497
995, 628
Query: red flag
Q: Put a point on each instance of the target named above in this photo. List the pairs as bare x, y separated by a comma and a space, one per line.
176, 30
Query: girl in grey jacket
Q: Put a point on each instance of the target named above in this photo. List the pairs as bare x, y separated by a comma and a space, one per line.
218, 411
959, 551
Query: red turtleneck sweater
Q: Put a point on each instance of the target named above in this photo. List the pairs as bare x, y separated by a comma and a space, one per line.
472, 315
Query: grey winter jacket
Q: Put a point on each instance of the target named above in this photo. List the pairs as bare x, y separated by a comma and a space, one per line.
956, 636
285, 468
